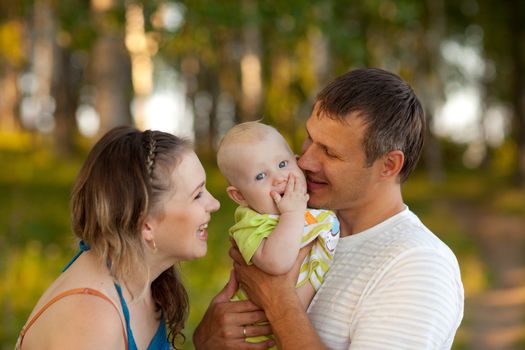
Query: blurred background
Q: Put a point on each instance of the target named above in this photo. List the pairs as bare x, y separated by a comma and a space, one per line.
71, 70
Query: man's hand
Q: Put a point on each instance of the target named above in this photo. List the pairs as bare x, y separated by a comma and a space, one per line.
276, 294
264, 289
226, 323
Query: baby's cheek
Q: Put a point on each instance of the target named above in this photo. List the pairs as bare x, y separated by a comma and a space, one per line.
300, 175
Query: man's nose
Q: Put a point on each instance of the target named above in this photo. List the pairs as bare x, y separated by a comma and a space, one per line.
309, 159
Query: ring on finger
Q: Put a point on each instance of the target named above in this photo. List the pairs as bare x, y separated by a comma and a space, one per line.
244, 331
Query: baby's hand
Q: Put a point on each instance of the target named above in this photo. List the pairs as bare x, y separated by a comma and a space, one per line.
294, 197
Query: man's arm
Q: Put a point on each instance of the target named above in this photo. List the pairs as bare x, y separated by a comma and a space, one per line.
276, 295
223, 324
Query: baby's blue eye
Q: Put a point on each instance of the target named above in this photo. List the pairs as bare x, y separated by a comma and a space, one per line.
260, 176
283, 163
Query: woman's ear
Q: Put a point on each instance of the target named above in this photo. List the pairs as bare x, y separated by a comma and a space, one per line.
392, 164
236, 195
148, 235
147, 230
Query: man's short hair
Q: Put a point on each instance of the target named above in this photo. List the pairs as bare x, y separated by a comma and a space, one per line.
391, 111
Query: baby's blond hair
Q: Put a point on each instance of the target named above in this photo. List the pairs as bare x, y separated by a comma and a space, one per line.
244, 133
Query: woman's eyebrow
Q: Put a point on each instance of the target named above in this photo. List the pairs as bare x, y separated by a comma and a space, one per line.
199, 187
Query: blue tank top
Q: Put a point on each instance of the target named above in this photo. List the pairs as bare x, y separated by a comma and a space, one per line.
159, 340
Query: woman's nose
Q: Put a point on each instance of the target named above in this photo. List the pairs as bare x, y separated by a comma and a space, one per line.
214, 204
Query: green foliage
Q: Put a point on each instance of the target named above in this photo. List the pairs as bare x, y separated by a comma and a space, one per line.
76, 24
26, 271
35, 239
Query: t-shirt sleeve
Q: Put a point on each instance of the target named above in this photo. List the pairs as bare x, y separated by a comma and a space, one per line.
416, 304
250, 229
321, 224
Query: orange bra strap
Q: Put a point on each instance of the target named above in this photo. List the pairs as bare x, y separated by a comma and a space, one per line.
68, 293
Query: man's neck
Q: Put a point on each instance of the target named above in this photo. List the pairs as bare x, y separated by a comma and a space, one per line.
368, 214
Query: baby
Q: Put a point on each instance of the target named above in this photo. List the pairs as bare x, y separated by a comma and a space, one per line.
272, 222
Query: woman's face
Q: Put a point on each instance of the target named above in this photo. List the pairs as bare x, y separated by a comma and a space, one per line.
180, 230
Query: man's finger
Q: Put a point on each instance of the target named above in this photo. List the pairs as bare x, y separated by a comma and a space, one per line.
305, 250
244, 310
251, 318
258, 330
303, 253
236, 256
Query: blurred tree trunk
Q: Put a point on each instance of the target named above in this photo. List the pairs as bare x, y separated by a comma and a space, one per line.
12, 60
516, 12
66, 89
321, 58
228, 92
110, 68
486, 158
9, 100
141, 51
205, 107
280, 104
42, 60
428, 82
251, 74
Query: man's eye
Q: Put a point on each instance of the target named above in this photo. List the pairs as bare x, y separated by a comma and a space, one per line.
199, 195
283, 163
329, 154
260, 176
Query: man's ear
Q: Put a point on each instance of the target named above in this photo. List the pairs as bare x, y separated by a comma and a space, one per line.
236, 195
392, 164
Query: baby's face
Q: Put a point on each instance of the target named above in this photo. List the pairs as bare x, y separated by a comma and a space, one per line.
263, 167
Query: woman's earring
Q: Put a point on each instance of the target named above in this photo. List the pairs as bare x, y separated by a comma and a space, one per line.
154, 246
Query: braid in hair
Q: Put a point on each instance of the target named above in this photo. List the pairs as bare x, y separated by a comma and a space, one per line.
163, 152
151, 145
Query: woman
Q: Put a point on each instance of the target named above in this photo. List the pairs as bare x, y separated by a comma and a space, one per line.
139, 206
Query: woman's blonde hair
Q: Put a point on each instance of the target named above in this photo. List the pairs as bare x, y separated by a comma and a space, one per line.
125, 177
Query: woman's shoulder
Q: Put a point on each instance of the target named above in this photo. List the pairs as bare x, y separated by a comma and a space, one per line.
80, 307
78, 318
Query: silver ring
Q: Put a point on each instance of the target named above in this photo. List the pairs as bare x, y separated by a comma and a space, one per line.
244, 331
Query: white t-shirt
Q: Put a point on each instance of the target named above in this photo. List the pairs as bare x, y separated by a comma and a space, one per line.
393, 286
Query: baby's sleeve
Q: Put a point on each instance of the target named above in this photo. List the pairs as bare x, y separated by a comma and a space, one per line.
250, 229
323, 227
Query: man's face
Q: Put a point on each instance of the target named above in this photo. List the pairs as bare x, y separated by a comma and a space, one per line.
335, 164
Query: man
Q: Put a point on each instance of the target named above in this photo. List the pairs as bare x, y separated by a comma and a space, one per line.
393, 284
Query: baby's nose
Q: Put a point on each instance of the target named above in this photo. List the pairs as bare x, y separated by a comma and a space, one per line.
280, 178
